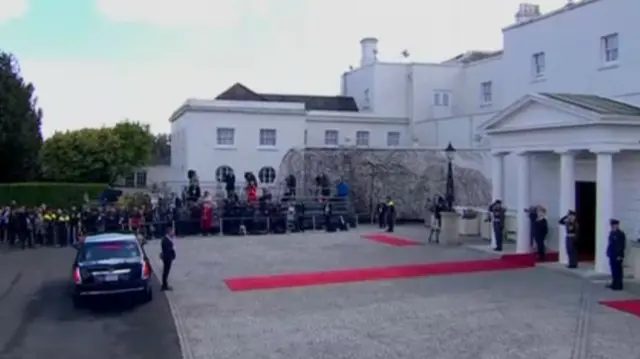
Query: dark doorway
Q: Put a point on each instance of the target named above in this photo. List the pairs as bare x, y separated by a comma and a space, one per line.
586, 216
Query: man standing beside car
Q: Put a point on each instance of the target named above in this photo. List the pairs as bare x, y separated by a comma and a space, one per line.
168, 255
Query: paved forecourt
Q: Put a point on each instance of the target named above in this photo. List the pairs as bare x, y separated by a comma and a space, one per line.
528, 313
37, 318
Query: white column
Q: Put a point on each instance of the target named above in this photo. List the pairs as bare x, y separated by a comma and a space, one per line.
524, 201
604, 207
497, 189
567, 198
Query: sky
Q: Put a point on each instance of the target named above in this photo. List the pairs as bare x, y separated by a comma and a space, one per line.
97, 62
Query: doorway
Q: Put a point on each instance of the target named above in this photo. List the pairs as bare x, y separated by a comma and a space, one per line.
586, 216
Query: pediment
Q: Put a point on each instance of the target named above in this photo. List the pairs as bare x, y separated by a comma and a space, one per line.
533, 112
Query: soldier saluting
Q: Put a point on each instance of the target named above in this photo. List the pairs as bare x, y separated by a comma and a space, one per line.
570, 223
615, 252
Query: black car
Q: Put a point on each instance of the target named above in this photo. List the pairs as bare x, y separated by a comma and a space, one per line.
108, 265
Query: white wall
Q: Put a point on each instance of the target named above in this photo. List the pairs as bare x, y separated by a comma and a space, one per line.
246, 155
349, 124
571, 41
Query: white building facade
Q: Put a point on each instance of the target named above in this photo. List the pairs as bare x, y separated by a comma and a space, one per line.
586, 47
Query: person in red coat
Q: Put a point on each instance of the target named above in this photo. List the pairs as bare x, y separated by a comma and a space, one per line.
206, 220
252, 193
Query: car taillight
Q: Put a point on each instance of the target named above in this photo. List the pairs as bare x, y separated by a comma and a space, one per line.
146, 270
77, 277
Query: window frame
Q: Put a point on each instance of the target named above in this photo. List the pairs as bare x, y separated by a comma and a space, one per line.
538, 64
363, 134
486, 97
393, 134
262, 137
221, 140
326, 137
610, 54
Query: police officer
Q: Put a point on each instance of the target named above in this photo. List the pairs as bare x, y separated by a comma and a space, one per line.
391, 214
570, 223
62, 229
615, 252
497, 211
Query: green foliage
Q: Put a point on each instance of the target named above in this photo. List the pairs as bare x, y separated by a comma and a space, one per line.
96, 154
161, 154
20, 122
53, 194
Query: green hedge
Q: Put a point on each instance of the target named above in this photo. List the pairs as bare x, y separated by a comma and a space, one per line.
53, 194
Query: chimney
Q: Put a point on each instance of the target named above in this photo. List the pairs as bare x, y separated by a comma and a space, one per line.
527, 12
369, 51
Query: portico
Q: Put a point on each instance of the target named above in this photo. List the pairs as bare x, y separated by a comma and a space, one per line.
545, 136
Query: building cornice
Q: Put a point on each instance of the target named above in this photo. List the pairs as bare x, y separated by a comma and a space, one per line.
342, 117
217, 106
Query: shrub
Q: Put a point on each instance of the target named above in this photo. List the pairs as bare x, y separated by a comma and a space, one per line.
53, 194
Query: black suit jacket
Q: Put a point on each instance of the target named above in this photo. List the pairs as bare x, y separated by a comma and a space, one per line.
168, 252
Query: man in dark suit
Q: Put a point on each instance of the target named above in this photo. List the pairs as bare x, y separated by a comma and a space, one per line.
168, 255
615, 252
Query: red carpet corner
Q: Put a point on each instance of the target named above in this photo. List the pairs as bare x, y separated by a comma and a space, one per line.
631, 306
391, 240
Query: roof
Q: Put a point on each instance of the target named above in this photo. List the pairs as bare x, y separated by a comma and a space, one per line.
110, 237
240, 92
473, 56
594, 103
562, 10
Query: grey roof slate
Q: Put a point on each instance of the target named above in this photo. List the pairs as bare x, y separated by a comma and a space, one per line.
240, 92
598, 104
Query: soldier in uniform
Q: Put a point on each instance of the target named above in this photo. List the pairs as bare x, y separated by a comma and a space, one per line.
571, 224
497, 211
615, 252
391, 214
328, 212
436, 218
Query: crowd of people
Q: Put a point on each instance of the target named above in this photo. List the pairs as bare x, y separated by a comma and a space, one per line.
194, 212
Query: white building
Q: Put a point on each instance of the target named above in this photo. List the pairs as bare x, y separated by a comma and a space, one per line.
477, 99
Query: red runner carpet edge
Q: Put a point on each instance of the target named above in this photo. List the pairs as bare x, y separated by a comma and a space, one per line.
372, 274
631, 306
391, 240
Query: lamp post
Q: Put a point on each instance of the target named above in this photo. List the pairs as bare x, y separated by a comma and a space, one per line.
450, 152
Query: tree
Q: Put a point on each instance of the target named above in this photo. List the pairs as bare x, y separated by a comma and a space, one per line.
96, 154
20, 123
161, 154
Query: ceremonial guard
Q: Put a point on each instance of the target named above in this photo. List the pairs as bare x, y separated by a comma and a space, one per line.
498, 215
540, 231
615, 252
436, 218
328, 212
570, 222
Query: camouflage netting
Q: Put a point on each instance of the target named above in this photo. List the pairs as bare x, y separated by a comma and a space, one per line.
409, 176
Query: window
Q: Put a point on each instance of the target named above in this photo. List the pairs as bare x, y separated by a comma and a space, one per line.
366, 104
306, 137
610, 48
267, 137
222, 172
393, 139
97, 251
538, 64
141, 179
441, 98
362, 138
331, 137
267, 175
130, 180
486, 93
225, 136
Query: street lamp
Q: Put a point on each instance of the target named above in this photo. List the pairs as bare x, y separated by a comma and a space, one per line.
450, 152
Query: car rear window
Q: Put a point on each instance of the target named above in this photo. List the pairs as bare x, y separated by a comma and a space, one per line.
109, 250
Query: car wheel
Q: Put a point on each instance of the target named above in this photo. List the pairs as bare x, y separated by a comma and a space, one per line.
78, 302
147, 296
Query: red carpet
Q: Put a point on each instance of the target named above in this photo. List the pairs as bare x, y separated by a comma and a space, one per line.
390, 240
371, 274
631, 306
